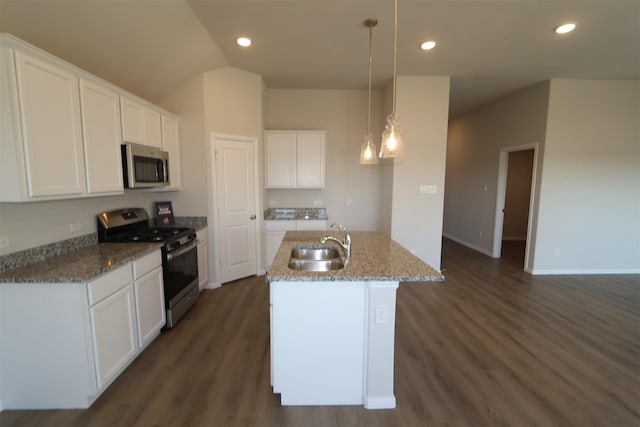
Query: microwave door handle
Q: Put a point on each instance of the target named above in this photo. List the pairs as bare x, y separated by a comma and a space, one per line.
166, 170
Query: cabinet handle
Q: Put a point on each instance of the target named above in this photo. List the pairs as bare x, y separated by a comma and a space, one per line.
253, 216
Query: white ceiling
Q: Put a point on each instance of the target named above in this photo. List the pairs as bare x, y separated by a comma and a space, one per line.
489, 48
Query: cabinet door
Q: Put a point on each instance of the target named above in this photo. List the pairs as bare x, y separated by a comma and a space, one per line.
310, 151
150, 308
101, 130
113, 327
171, 144
152, 129
280, 158
51, 128
132, 116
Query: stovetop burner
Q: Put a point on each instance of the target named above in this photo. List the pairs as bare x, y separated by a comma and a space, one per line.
153, 234
132, 225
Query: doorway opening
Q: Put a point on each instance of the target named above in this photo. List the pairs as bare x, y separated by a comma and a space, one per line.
514, 204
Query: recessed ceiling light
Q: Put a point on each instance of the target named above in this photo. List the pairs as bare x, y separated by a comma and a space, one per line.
428, 45
243, 41
566, 28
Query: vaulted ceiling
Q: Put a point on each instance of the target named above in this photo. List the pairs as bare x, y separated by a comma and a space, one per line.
489, 48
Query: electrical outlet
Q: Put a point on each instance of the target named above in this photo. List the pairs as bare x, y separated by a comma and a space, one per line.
5, 241
75, 227
317, 202
273, 203
480, 234
348, 201
428, 189
382, 314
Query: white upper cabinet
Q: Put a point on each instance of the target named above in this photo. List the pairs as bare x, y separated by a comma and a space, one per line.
152, 129
132, 121
140, 124
310, 149
280, 152
51, 128
101, 130
61, 128
295, 159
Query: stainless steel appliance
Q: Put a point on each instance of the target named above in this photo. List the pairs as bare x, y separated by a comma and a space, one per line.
179, 254
144, 167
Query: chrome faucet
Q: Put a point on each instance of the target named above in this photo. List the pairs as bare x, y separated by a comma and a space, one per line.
345, 244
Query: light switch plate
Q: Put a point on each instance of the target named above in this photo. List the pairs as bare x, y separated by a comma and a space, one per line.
428, 189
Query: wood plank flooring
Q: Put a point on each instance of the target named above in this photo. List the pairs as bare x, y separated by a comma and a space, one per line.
491, 345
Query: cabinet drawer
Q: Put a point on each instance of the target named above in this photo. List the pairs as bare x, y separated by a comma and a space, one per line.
280, 225
108, 283
143, 265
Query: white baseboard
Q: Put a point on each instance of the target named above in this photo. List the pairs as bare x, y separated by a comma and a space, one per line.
561, 271
469, 245
380, 402
212, 285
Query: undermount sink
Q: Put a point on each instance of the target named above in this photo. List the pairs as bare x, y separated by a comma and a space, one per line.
309, 258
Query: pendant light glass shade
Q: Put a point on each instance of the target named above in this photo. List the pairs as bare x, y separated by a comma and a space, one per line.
368, 149
392, 145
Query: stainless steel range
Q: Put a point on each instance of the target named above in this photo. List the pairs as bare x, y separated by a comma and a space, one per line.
179, 254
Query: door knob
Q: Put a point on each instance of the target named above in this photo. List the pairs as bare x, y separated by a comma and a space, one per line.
253, 216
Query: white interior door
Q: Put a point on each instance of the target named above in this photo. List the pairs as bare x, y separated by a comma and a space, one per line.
236, 207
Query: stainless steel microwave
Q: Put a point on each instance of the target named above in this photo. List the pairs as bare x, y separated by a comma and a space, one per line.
144, 167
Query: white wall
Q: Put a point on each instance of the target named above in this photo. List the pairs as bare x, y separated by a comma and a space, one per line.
224, 101
343, 114
34, 224
416, 219
473, 154
589, 214
188, 103
386, 168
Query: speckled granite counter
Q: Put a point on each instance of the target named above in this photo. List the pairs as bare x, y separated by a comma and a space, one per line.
80, 265
275, 214
374, 257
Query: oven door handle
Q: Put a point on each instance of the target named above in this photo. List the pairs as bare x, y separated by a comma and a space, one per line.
182, 250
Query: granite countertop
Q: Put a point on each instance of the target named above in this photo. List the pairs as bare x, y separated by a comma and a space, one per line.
80, 265
374, 257
276, 214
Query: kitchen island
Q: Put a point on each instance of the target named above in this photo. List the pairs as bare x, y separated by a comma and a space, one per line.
332, 333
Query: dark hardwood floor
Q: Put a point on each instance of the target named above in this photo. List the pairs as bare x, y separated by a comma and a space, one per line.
491, 345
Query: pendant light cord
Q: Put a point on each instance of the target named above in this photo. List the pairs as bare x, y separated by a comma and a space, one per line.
371, 24
395, 51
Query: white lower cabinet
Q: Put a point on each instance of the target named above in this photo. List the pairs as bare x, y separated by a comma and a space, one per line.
65, 346
318, 342
113, 328
149, 293
332, 343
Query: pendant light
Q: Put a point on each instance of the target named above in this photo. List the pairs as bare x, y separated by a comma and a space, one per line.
392, 145
368, 149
